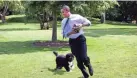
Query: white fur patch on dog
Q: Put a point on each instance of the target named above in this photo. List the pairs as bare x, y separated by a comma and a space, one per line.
71, 65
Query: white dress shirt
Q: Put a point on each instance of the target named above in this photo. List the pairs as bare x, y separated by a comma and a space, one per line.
73, 19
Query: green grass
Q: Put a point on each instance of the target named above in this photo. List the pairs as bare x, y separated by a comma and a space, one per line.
111, 47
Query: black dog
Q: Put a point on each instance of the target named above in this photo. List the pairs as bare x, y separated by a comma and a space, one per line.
65, 61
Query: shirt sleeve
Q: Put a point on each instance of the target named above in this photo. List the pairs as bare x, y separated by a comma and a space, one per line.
85, 20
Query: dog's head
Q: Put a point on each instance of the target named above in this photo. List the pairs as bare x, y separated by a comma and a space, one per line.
69, 57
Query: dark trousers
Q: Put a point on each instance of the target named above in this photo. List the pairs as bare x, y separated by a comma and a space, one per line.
79, 49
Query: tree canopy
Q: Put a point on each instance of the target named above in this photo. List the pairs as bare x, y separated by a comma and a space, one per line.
33, 8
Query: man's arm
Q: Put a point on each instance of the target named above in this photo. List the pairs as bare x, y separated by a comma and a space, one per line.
85, 21
86, 24
72, 32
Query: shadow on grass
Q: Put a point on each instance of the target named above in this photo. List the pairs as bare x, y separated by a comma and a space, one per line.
18, 47
80, 77
120, 23
16, 29
57, 72
110, 31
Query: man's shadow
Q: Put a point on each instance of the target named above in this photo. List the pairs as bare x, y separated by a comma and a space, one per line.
55, 72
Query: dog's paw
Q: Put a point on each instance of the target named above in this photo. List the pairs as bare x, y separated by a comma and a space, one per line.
70, 71
72, 67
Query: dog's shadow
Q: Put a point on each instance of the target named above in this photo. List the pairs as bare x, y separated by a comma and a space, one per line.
55, 72
80, 77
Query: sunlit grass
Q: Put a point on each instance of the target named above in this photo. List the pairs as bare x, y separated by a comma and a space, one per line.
112, 49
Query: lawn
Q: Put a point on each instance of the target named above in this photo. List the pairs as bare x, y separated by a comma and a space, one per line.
111, 47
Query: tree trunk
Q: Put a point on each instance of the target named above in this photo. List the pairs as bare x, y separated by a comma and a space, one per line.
103, 17
54, 25
3, 15
41, 25
2, 18
40, 19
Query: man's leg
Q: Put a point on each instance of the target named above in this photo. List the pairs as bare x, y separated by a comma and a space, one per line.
81, 67
88, 64
85, 58
75, 50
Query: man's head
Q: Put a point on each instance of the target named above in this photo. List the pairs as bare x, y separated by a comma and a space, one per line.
65, 11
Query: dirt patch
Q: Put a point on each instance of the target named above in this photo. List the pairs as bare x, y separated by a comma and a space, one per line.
51, 44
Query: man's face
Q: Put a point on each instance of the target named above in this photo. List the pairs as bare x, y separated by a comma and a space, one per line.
65, 13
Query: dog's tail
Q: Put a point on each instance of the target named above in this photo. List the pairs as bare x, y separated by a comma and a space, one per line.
55, 53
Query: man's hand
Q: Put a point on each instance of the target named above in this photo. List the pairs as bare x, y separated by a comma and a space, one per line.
72, 32
77, 27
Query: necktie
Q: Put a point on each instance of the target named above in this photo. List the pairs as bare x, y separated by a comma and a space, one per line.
65, 27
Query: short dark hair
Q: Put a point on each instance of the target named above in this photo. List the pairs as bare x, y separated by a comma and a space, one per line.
66, 7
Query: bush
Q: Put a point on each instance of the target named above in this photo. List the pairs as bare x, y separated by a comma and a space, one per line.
16, 19
20, 19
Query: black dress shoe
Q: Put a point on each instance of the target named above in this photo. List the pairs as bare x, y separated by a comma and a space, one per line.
90, 70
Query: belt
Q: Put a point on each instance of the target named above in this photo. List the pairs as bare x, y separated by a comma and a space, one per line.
77, 37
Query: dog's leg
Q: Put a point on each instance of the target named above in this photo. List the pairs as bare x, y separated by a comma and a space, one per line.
67, 68
71, 65
58, 67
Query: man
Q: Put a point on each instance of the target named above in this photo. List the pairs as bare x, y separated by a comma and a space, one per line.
72, 28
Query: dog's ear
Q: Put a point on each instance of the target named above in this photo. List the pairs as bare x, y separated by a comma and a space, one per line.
69, 57
72, 55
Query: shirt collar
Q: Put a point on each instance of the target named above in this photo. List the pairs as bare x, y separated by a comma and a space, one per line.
70, 16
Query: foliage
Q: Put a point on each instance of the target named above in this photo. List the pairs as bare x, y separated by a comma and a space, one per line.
15, 6
126, 9
85, 8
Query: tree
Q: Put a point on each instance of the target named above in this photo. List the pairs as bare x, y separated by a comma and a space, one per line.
93, 8
86, 8
40, 7
12, 5
123, 11
127, 9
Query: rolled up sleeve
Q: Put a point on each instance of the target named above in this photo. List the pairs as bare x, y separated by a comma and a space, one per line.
85, 21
